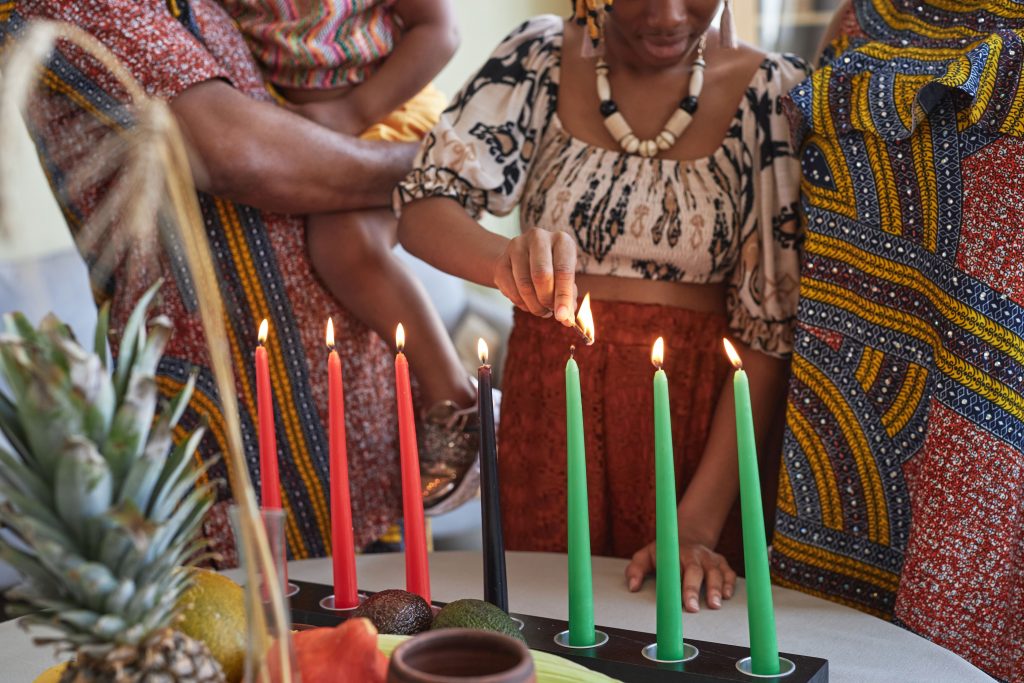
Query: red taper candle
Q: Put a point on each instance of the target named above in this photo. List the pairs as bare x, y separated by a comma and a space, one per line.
270, 481
342, 542
417, 572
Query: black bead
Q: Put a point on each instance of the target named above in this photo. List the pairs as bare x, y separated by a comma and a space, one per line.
689, 104
608, 108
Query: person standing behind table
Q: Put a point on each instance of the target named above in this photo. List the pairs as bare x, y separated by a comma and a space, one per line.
364, 67
694, 243
902, 492
258, 167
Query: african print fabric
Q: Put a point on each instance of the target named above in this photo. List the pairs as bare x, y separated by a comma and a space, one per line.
902, 490
326, 44
262, 269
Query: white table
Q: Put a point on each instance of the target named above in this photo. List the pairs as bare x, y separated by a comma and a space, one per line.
859, 647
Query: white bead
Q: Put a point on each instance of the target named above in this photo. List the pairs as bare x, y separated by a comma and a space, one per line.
604, 90
617, 126
630, 143
665, 140
696, 82
678, 122
649, 147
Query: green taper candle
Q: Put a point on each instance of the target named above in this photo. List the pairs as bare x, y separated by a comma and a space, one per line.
669, 583
581, 584
764, 648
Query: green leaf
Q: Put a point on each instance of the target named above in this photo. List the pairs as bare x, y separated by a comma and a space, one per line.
99, 344
174, 470
179, 403
130, 340
23, 479
84, 485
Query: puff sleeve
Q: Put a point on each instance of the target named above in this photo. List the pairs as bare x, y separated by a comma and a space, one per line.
481, 149
763, 288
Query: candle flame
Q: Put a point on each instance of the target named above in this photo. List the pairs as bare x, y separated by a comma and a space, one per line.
262, 335
400, 337
481, 350
658, 352
585, 320
734, 357
330, 333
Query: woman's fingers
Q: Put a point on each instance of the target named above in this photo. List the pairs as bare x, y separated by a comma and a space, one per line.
564, 268
521, 254
713, 580
728, 580
639, 567
537, 273
505, 281
693, 576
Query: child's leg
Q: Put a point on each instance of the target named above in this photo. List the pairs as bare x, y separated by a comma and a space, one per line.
352, 254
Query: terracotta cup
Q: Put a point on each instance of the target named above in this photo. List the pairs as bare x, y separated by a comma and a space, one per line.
460, 655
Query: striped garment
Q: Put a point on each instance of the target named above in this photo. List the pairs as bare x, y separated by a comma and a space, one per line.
316, 44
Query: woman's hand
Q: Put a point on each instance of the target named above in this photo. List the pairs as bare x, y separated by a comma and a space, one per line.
537, 272
700, 564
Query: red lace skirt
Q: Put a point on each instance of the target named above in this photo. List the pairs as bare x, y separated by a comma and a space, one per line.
616, 380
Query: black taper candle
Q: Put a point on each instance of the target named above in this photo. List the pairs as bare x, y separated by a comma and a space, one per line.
495, 583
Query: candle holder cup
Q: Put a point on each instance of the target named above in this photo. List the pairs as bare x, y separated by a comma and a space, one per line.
651, 652
745, 666
328, 603
562, 639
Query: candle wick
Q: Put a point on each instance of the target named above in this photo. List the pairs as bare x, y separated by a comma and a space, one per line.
572, 351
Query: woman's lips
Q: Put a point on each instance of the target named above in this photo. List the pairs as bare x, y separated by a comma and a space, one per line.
665, 49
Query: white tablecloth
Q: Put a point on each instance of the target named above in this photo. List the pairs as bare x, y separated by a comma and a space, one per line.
860, 648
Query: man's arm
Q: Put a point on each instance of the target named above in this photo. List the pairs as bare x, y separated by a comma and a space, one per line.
259, 154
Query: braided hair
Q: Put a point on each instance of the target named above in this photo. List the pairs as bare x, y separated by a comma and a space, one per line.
586, 13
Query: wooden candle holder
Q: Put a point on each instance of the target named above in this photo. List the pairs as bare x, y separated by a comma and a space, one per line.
621, 657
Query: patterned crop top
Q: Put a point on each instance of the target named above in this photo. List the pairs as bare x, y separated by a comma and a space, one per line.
730, 217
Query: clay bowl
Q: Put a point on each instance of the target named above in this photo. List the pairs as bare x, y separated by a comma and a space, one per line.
459, 655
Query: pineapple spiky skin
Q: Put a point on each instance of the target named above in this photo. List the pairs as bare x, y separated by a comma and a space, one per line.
107, 507
166, 657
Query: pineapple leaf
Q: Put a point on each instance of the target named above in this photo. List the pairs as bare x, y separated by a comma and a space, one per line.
144, 473
99, 344
118, 600
132, 340
11, 428
18, 477
84, 484
179, 403
131, 426
174, 470
108, 627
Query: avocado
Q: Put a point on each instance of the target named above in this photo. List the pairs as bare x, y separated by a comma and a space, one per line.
397, 612
479, 615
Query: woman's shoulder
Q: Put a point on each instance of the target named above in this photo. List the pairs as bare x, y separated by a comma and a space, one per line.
542, 33
779, 72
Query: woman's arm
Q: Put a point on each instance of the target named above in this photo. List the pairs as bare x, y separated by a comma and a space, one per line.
712, 492
259, 154
535, 270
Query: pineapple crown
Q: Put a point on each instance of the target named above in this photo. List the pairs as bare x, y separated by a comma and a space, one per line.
107, 509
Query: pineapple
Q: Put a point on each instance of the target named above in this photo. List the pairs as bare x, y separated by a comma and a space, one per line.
107, 508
